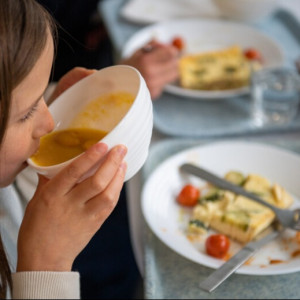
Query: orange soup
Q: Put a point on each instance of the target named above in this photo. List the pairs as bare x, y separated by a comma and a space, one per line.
88, 127
105, 112
62, 145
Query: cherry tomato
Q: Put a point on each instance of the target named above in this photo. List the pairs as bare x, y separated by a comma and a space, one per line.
178, 43
188, 195
217, 245
253, 54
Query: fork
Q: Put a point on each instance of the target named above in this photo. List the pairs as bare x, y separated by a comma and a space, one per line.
287, 218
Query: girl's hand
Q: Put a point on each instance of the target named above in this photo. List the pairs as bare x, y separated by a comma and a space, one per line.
158, 65
68, 80
63, 214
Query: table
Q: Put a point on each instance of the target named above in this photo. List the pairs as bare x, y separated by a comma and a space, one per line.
166, 274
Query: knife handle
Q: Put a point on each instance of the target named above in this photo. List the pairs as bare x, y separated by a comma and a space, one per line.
218, 276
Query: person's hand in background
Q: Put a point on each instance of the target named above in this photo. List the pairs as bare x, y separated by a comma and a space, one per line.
157, 63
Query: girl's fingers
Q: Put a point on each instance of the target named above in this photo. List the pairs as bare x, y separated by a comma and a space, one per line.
102, 205
42, 181
97, 183
66, 179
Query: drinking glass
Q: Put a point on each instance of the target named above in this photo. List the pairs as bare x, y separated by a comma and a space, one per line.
275, 95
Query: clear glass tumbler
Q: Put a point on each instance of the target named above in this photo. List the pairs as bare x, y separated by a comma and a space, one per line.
275, 95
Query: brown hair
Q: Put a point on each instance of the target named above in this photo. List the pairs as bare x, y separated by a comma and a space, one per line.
24, 26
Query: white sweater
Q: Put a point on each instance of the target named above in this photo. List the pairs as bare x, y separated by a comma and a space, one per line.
30, 285
45, 285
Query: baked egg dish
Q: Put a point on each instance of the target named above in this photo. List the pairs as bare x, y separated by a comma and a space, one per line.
223, 69
236, 216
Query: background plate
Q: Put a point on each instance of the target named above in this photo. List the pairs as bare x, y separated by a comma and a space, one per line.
147, 12
167, 219
203, 35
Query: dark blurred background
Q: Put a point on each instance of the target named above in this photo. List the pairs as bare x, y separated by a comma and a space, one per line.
83, 39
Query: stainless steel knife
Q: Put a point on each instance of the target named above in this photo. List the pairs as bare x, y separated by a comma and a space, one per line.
219, 275
287, 218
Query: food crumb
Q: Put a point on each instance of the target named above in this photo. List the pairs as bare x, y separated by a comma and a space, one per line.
296, 253
276, 261
249, 261
227, 256
297, 237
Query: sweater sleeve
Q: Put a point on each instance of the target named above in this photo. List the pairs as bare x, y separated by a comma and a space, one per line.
46, 285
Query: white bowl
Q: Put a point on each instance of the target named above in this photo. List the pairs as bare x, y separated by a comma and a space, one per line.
134, 130
246, 10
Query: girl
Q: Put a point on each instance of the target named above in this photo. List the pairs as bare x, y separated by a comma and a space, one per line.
62, 216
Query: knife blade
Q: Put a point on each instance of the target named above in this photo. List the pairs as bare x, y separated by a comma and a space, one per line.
224, 184
229, 267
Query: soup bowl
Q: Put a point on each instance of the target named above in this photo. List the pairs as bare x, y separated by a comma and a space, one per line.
134, 129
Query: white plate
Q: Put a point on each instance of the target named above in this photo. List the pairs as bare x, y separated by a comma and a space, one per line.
151, 11
168, 220
203, 35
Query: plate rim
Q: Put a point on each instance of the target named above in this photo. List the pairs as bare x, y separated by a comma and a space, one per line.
246, 270
135, 16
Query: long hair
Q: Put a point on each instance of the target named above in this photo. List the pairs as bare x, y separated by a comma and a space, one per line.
24, 26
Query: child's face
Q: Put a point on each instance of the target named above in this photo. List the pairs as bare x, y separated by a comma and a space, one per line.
29, 118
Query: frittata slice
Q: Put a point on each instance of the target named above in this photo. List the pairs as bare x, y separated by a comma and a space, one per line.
236, 216
216, 70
